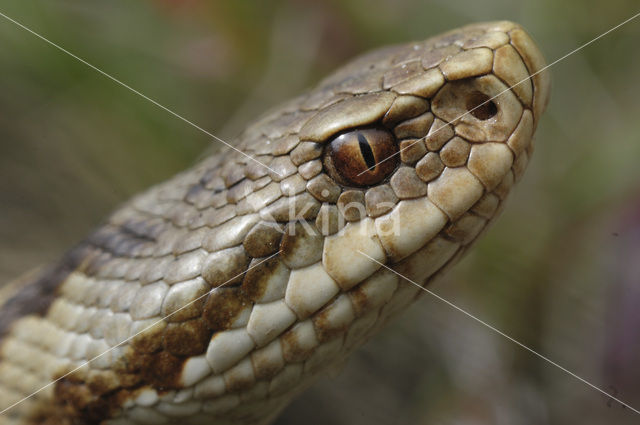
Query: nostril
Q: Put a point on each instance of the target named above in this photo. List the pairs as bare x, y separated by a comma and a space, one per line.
481, 106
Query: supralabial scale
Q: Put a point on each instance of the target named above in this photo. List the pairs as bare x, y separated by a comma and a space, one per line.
217, 296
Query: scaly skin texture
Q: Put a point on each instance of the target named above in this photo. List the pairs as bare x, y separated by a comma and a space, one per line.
223, 292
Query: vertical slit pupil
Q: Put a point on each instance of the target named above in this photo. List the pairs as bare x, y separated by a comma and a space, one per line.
365, 150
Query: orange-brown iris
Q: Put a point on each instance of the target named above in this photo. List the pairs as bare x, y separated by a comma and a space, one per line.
361, 157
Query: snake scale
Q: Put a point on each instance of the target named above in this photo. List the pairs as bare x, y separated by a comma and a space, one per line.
217, 296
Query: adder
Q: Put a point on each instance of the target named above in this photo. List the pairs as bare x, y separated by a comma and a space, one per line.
217, 296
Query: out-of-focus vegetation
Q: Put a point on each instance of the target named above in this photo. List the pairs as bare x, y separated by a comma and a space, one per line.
558, 272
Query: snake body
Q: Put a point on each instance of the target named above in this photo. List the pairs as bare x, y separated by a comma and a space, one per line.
217, 296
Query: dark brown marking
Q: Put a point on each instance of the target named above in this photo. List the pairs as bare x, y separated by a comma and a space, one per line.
101, 382
160, 370
226, 267
301, 244
325, 329
239, 382
263, 240
76, 404
155, 358
360, 301
265, 367
222, 307
187, 338
256, 278
150, 340
292, 352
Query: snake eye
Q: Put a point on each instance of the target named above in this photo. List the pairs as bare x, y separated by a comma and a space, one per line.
361, 157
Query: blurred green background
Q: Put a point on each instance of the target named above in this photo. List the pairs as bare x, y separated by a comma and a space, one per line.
560, 271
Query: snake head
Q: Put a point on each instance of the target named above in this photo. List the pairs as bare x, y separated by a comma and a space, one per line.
220, 294
421, 142
392, 165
